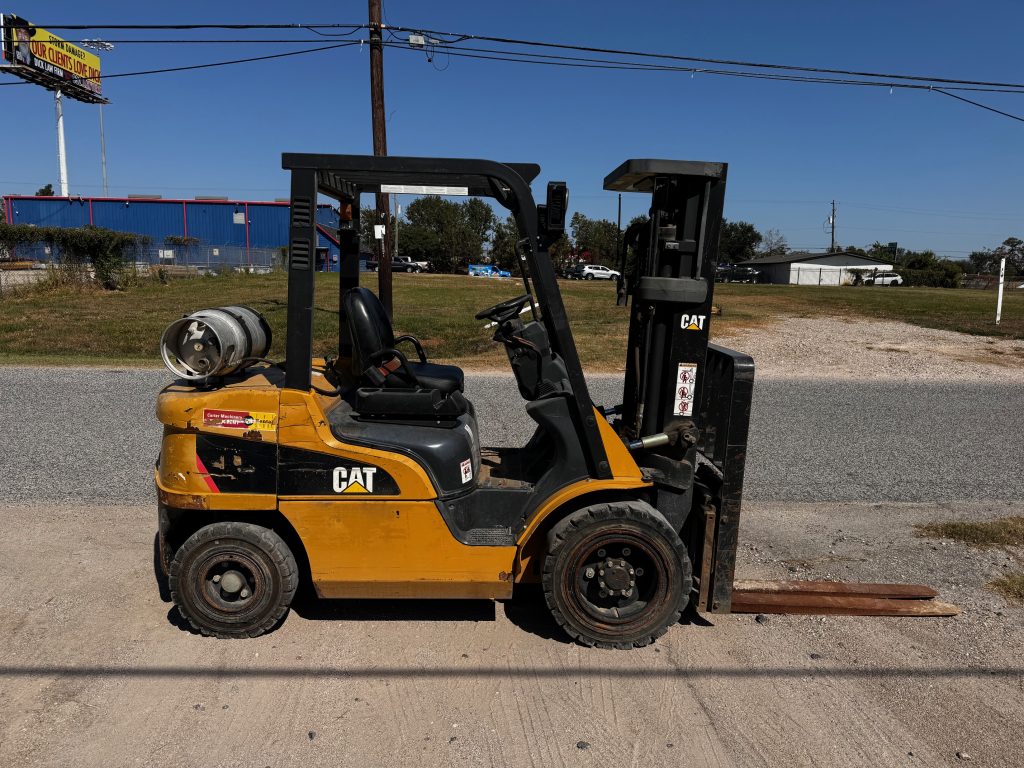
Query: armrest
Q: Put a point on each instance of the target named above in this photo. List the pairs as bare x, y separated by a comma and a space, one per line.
416, 343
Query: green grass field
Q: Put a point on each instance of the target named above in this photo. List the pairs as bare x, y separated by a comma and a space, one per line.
88, 326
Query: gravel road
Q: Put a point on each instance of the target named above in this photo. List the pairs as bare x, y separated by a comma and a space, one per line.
80, 434
95, 670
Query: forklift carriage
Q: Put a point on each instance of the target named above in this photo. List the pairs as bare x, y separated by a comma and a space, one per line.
362, 475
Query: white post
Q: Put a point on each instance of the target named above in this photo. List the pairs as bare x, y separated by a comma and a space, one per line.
1002, 279
103, 153
62, 160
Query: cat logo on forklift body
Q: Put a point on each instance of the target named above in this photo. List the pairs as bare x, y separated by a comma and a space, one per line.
353, 479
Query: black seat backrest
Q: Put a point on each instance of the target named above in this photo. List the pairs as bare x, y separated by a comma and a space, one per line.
368, 326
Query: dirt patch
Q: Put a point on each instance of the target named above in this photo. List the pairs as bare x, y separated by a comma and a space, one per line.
96, 671
847, 348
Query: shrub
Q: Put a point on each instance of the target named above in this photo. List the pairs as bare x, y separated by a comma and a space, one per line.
86, 253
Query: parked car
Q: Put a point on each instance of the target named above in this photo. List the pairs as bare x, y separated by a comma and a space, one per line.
402, 264
594, 272
883, 278
732, 273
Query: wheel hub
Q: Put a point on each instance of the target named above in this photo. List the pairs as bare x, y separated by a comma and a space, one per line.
232, 582
616, 575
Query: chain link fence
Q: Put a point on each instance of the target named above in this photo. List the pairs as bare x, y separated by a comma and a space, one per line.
28, 265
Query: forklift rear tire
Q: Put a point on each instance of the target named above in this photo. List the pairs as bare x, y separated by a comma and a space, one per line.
616, 575
233, 580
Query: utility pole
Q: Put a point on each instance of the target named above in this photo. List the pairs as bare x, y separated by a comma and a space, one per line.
832, 221
380, 149
62, 159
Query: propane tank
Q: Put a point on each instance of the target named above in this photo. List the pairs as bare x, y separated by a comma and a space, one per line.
214, 342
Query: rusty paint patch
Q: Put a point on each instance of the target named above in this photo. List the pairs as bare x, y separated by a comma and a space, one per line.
182, 500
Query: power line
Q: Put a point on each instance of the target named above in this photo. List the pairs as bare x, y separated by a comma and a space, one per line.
703, 60
589, 63
212, 64
202, 26
836, 77
584, 63
460, 37
979, 104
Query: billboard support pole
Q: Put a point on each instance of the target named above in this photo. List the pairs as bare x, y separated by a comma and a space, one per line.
62, 160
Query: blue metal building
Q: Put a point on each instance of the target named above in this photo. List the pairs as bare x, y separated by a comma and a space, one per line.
240, 225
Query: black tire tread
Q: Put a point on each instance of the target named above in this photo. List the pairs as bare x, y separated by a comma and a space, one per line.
636, 510
272, 544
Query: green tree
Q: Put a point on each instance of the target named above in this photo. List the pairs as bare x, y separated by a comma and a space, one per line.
596, 240
773, 243
983, 262
476, 221
560, 252
739, 241
1012, 250
46, 191
447, 234
503, 244
986, 261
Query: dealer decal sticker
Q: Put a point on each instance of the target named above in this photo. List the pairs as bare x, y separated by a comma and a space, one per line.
686, 380
265, 422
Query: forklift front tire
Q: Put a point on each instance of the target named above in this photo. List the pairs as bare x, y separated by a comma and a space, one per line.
616, 575
233, 580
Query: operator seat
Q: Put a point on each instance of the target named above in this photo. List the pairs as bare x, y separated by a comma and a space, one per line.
374, 357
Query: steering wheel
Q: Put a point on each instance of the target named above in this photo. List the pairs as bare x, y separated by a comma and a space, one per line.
505, 310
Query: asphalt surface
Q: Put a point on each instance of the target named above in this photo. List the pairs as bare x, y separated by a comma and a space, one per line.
90, 435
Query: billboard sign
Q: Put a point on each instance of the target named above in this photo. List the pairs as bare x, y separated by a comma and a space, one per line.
34, 54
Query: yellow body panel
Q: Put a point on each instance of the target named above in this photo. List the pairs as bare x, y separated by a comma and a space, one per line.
188, 408
394, 549
626, 476
304, 425
387, 546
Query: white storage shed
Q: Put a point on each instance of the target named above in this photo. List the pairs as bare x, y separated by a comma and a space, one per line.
798, 268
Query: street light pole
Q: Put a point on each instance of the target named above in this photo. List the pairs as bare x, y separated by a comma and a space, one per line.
103, 154
101, 45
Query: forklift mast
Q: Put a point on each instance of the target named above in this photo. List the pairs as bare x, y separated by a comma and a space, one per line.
671, 282
676, 381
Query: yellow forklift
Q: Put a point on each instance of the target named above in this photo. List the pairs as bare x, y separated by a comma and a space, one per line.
362, 474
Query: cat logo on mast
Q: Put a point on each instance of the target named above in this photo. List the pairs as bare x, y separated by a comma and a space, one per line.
353, 479
693, 322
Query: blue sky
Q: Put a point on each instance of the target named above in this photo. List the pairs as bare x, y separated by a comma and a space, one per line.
915, 167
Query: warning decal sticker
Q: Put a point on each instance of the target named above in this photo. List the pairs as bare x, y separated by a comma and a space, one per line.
265, 422
467, 470
686, 380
